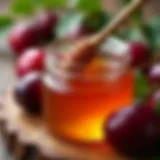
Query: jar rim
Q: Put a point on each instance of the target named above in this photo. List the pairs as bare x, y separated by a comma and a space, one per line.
112, 69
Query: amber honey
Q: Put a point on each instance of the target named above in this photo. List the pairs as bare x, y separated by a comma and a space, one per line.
75, 108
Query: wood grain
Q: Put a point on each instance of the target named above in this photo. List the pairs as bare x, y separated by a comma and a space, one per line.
27, 135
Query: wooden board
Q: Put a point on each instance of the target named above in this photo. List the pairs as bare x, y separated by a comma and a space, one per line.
27, 138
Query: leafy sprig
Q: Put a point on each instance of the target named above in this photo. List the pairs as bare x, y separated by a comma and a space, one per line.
85, 9
90, 6
94, 20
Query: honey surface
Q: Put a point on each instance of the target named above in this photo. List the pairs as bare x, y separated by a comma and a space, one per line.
77, 109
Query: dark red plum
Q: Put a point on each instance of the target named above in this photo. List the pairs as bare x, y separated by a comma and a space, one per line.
133, 131
31, 60
46, 23
139, 53
28, 93
23, 36
154, 74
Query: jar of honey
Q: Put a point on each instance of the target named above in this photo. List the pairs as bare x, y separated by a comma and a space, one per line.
77, 104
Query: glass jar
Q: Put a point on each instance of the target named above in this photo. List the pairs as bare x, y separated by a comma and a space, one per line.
76, 105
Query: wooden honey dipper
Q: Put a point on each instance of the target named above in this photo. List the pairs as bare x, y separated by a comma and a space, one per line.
85, 50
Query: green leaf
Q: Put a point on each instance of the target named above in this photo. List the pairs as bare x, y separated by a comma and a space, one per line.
98, 20
53, 3
27, 7
142, 87
5, 21
87, 5
94, 21
152, 32
158, 107
126, 2
69, 22
135, 34
23, 7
